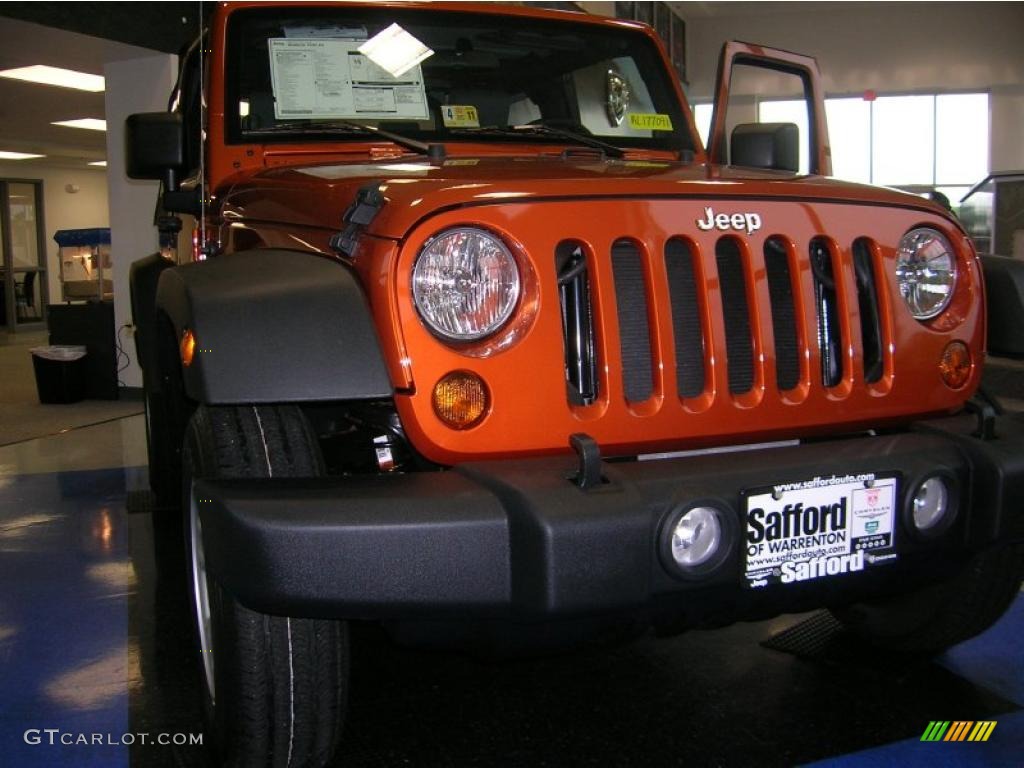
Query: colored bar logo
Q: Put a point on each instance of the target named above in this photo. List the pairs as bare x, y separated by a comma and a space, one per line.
958, 730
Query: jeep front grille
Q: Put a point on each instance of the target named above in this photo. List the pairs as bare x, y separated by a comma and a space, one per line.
685, 273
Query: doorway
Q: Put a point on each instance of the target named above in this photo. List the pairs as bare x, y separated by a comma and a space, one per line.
25, 291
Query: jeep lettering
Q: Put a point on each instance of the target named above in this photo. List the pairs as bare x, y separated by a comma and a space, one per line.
742, 222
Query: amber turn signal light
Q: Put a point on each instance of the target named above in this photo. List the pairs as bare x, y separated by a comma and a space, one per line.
955, 365
460, 399
188, 348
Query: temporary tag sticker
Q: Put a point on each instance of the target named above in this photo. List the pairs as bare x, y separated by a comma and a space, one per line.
461, 161
650, 122
460, 116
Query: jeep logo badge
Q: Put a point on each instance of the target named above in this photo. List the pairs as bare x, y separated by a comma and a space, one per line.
741, 222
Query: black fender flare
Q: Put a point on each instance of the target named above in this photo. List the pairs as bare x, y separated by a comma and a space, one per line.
274, 326
1004, 294
143, 277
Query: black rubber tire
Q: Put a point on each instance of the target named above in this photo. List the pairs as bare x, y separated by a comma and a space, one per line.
945, 613
281, 683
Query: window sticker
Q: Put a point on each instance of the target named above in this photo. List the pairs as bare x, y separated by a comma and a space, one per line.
329, 78
650, 122
459, 116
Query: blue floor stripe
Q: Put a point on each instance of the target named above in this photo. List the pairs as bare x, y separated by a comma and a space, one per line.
64, 662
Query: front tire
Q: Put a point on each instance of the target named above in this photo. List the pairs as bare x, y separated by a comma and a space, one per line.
941, 615
274, 688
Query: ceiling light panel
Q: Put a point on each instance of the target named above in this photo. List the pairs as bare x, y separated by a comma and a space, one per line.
64, 78
4, 155
89, 123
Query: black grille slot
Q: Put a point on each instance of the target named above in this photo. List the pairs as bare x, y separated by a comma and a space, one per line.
577, 323
867, 298
780, 292
830, 340
739, 345
634, 335
686, 326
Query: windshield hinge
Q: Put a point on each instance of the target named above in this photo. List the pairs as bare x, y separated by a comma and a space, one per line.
369, 200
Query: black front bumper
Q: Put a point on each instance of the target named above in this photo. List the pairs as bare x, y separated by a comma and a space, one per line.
518, 539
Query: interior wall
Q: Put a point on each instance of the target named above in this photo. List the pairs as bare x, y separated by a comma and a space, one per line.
83, 209
138, 85
885, 47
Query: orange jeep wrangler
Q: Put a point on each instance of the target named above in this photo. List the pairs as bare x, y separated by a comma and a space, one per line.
482, 344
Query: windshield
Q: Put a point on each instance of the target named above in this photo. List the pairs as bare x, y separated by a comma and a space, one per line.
321, 73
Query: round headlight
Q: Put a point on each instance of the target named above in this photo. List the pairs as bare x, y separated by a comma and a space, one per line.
465, 284
925, 272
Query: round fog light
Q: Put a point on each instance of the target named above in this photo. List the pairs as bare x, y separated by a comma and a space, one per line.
930, 504
696, 537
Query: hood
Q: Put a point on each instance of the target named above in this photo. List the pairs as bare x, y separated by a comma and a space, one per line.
318, 195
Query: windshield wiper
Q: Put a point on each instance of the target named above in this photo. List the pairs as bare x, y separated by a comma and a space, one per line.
577, 138
433, 151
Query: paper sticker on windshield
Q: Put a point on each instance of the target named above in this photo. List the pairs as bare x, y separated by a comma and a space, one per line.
650, 122
326, 78
460, 117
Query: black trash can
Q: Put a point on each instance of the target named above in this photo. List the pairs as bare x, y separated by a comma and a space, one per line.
60, 373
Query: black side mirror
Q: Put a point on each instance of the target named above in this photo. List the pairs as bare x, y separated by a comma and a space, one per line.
154, 147
773, 146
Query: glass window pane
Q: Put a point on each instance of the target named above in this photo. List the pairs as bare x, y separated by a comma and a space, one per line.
24, 247
962, 138
702, 117
757, 95
849, 132
789, 111
903, 132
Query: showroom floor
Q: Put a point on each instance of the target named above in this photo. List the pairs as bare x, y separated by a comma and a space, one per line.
91, 642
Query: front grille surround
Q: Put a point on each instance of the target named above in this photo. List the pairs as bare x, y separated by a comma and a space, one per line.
534, 414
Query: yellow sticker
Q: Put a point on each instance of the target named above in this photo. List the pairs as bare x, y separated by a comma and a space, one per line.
459, 116
653, 122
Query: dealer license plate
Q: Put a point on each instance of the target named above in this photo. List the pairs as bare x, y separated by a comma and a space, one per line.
817, 529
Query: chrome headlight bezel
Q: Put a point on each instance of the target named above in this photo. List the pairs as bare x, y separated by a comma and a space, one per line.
926, 272
477, 266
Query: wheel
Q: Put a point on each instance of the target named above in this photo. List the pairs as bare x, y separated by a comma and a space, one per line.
274, 688
945, 613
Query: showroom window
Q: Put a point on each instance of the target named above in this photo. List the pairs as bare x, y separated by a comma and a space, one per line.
916, 142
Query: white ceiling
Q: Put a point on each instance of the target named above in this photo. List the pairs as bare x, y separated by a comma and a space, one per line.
26, 109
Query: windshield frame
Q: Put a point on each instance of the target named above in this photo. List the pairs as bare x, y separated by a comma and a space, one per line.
644, 48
